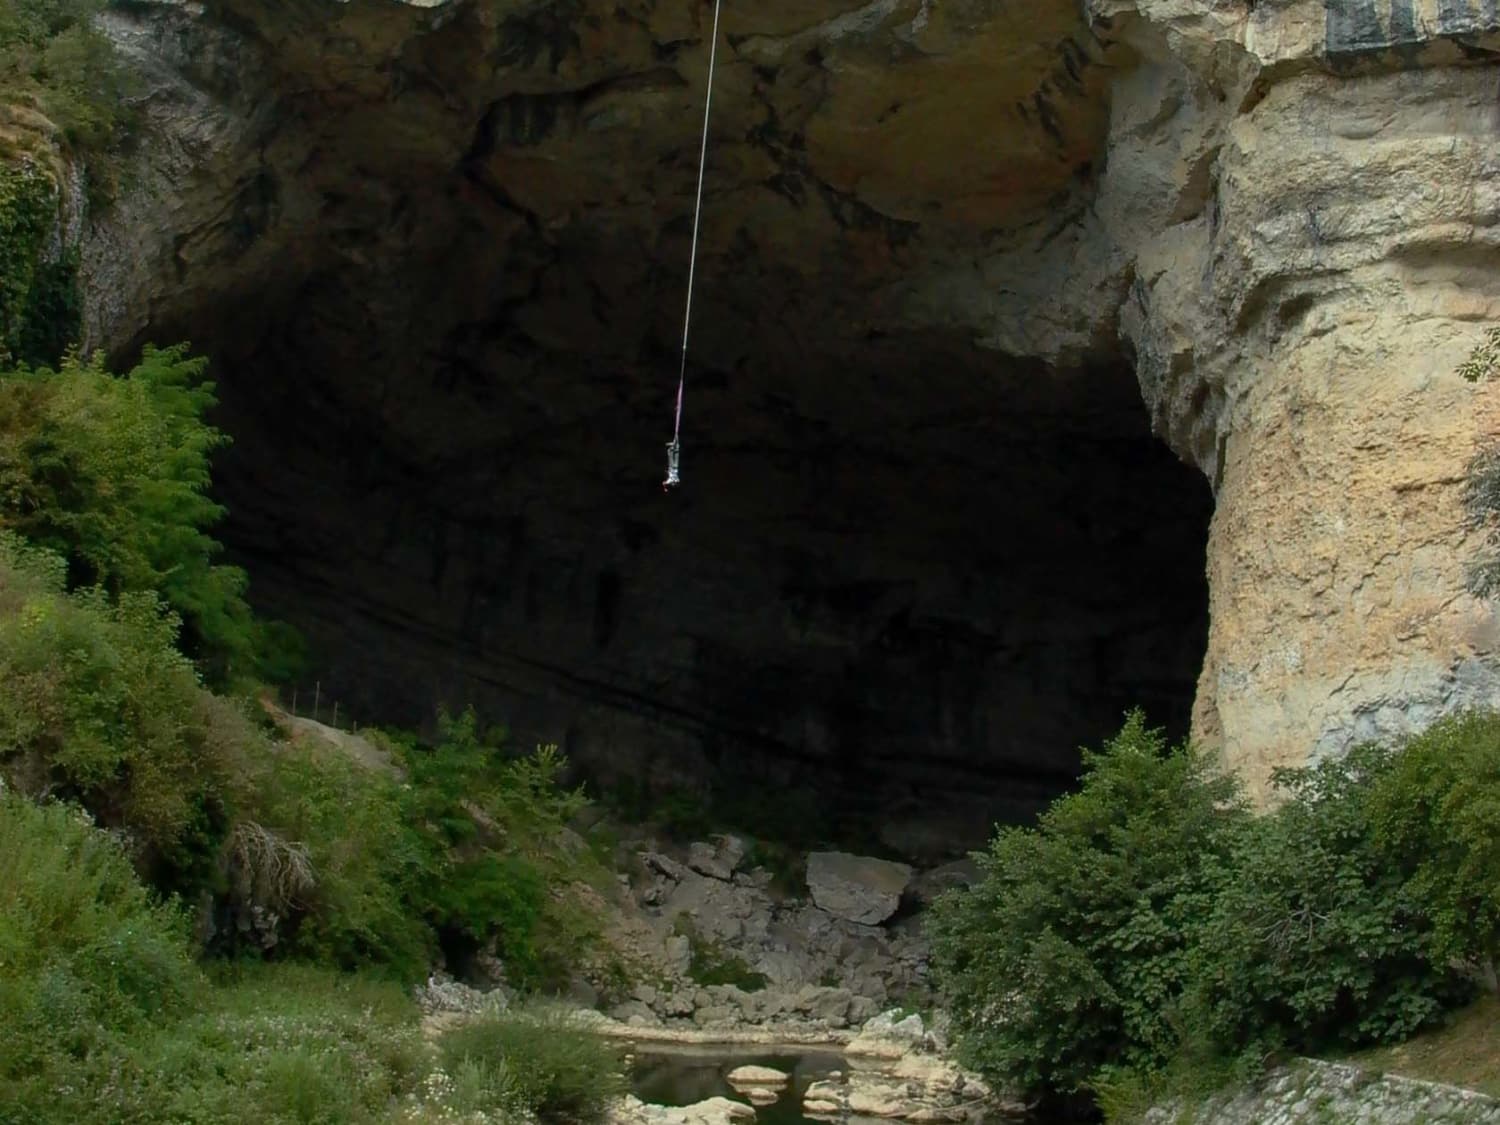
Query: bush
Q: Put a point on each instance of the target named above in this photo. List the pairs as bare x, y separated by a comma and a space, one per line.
538, 1061
1313, 944
710, 963
108, 1022
39, 309
112, 473
468, 849
97, 705
1436, 816
51, 55
1149, 938
367, 862
500, 856
84, 952
1071, 951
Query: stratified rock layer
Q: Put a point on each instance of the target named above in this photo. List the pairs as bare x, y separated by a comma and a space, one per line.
1298, 336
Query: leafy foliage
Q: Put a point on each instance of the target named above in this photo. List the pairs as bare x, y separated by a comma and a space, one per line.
1149, 936
500, 856
467, 849
1313, 943
539, 1061
1070, 952
39, 306
1482, 507
367, 863
1436, 816
52, 57
1483, 360
97, 705
108, 1021
710, 963
1482, 478
112, 474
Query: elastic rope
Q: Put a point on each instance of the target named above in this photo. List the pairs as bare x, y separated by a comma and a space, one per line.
687, 315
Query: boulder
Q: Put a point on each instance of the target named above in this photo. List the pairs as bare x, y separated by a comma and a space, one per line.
743, 1077
915, 1087
928, 885
719, 859
714, 1111
890, 1035
856, 888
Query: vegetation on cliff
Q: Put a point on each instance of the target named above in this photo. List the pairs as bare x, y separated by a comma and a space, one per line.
175, 834
53, 59
1151, 934
65, 109
110, 1018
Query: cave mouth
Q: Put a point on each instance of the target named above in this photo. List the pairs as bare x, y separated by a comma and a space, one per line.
897, 592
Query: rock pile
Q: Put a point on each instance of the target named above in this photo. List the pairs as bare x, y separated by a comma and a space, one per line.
833, 959
896, 1072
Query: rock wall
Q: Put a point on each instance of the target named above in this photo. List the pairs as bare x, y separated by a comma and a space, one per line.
436, 251
1298, 336
1318, 1091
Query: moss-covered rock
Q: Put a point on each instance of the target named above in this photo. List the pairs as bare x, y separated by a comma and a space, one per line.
39, 303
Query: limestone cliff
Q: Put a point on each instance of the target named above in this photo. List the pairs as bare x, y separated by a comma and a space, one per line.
1298, 339
929, 546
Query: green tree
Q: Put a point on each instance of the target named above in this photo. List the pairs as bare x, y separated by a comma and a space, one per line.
494, 827
52, 56
1313, 943
1436, 815
97, 705
1070, 954
112, 474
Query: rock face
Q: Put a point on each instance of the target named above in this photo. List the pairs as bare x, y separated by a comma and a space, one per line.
1296, 327
1318, 1091
856, 888
786, 951
928, 546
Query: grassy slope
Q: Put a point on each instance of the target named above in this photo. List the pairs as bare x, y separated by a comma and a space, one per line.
1465, 1053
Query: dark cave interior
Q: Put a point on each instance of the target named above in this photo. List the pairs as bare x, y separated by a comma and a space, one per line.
898, 589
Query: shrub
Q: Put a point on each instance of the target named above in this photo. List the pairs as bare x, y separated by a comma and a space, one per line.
112, 473
538, 1060
1313, 944
38, 291
710, 963
468, 849
84, 952
1436, 816
367, 862
1071, 951
500, 856
97, 705
51, 55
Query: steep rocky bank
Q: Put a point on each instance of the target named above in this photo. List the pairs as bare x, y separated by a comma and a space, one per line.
961, 262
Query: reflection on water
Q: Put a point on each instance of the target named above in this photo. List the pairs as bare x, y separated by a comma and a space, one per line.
681, 1077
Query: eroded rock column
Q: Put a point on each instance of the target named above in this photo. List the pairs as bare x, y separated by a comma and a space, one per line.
1300, 339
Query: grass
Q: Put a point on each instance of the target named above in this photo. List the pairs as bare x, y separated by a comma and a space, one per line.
538, 1059
109, 1020
1464, 1053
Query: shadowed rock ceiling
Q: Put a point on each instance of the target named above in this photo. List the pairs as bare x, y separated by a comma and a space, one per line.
438, 256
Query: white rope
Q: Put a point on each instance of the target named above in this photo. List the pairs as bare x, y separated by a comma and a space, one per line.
675, 447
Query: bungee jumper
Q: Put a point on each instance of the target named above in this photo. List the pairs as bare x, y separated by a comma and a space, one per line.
674, 447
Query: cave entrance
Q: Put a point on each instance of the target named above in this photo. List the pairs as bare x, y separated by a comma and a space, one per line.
896, 595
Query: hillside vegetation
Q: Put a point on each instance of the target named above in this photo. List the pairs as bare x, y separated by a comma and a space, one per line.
198, 920
1151, 936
